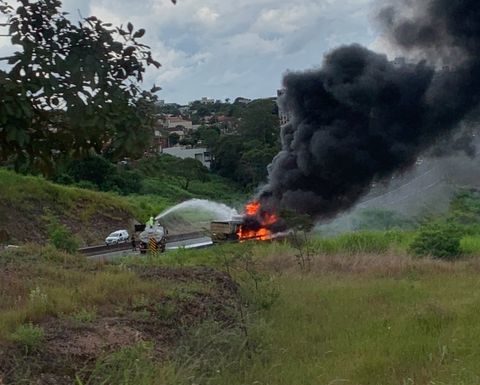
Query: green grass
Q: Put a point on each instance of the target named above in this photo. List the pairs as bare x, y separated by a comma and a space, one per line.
356, 317
362, 315
363, 242
470, 245
129, 366
28, 336
329, 329
44, 282
218, 256
28, 191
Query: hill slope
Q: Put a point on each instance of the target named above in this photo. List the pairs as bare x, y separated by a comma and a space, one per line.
29, 204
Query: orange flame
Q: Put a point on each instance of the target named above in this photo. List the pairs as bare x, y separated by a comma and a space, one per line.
253, 209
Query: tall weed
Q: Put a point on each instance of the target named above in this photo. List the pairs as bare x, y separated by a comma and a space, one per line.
129, 366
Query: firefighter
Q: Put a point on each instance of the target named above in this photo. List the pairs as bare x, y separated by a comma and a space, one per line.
151, 221
134, 243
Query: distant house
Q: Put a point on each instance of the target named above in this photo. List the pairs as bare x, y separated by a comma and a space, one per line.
170, 122
226, 123
201, 154
242, 100
179, 130
184, 110
205, 100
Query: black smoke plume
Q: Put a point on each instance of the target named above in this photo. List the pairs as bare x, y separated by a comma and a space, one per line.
362, 118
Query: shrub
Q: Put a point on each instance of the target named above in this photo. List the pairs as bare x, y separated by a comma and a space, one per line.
94, 169
62, 239
437, 239
64, 179
126, 182
29, 336
84, 316
86, 184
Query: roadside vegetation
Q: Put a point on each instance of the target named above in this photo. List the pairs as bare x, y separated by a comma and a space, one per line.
356, 312
392, 303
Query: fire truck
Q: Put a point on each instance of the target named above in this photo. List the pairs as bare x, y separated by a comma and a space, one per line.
152, 236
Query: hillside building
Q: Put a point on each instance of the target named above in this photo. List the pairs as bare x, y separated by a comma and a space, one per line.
201, 154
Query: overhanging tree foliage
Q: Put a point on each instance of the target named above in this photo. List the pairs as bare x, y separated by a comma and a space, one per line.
72, 89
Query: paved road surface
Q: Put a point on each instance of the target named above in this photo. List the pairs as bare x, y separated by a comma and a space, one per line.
190, 243
187, 244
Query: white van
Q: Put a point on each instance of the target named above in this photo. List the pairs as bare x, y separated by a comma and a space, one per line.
119, 236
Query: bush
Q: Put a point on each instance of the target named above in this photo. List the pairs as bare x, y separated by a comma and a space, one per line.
87, 185
94, 169
62, 239
29, 336
64, 179
437, 239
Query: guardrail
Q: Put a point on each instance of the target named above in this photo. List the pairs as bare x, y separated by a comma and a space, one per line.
104, 249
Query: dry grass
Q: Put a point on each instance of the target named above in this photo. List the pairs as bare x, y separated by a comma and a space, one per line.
388, 265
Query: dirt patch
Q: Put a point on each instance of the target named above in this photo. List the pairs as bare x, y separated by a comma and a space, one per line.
87, 342
71, 346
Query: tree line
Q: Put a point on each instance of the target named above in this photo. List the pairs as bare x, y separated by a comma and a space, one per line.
72, 95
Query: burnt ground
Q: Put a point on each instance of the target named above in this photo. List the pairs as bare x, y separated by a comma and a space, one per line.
71, 347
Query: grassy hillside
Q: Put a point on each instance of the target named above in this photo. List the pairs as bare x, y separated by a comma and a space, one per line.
361, 313
363, 308
353, 316
65, 321
392, 323
28, 205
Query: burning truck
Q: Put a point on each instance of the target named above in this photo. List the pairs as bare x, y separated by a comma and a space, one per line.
256, 223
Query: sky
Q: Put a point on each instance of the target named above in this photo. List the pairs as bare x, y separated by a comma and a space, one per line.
225, 49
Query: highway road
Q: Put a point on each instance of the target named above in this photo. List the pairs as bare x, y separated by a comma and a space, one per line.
187, 244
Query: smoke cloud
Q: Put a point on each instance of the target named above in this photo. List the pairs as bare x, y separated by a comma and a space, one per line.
363, 118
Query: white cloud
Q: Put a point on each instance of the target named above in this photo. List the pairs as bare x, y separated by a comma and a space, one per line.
221, 49
288, 19
106, 15
251, 44
207, 16
224, 79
